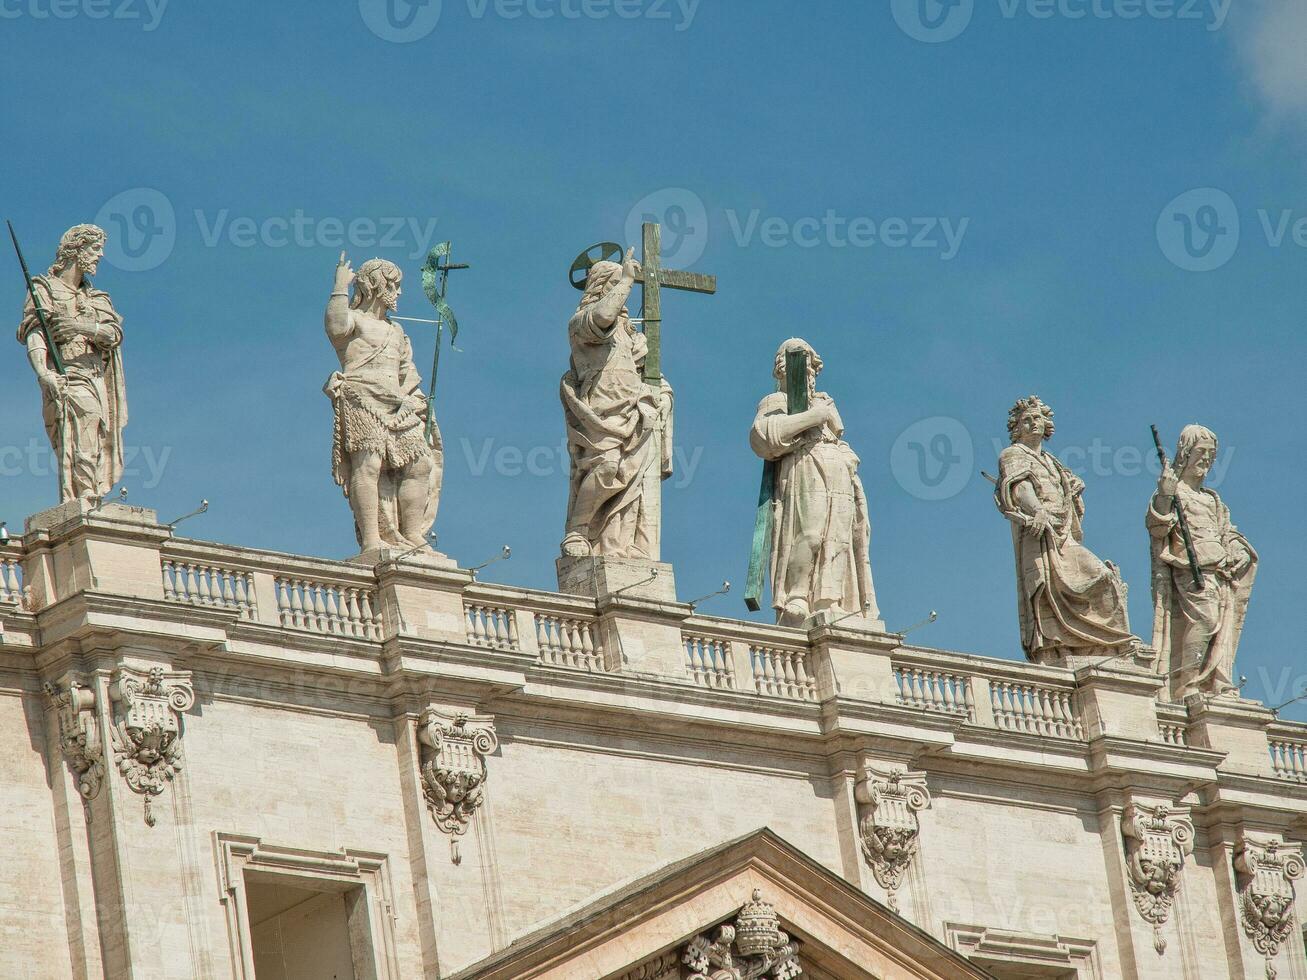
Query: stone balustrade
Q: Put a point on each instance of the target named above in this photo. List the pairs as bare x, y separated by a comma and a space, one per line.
566, 641
1288, 748
1036, 709
202, 584
491, 626
921, 685
340, 599
709, 660
11, 571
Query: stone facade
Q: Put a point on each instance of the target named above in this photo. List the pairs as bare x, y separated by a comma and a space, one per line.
195, 735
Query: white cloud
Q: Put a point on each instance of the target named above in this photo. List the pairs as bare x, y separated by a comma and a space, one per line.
1273, 44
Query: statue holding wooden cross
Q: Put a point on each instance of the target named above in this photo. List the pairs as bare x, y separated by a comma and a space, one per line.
617, 404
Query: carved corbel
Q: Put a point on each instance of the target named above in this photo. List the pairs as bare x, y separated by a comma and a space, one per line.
889, 828
454, 772
147, 728
753, 947
1266, 870
79, 733
1157, 841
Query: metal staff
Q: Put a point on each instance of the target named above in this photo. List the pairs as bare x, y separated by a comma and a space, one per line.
51, 349
1184, 523
436, 293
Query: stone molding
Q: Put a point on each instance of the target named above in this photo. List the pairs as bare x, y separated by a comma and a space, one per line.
79, 732
1047, 954
453, 751
1157, 842
665, 967
752, 948
1266, 869
147, 732
889, 828
372, 920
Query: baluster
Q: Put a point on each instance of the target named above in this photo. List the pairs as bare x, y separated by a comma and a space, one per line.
946, 689
587, 645
224, 588
169, 591
299, 604
968, 700
200, 576
371, 624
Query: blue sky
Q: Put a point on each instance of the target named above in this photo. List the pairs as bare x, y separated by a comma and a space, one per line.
957, 206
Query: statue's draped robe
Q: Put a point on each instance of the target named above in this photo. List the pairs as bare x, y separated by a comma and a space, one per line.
85, 426
820, 528
1068, 600
370, 416
1208, 621
612, 419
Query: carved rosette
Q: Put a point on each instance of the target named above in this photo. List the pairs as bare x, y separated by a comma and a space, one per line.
890, 830
454, 748
79, 733
147, 728
753, 947
1267, 869
1157, 841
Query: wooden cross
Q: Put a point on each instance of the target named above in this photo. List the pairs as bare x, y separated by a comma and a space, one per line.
654, 278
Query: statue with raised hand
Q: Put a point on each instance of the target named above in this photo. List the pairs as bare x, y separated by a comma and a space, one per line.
383, 455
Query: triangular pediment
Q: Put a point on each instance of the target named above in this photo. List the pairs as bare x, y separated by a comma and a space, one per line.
641, 930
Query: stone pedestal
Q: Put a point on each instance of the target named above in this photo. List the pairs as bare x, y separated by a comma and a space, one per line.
88, 547
600, 578
1235, 726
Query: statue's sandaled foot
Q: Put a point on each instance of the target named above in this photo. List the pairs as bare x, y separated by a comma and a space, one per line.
575, 546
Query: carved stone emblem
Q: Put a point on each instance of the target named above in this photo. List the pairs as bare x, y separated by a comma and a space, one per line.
889, 827
79, 733
1157, 841
147, 728
453, 766
1267, 869
754, 947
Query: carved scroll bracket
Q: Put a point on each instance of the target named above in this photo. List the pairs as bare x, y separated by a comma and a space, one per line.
454, 771
147, 732
1266, 870
79, 733
889, 828
1157, 841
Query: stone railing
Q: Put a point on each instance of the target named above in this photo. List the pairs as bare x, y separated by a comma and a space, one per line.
565, 641
494, 627
709, 660
11, 571
202, 584
783, 672
1288, 747
921, 685
1173, 723
330, 608
1037, 709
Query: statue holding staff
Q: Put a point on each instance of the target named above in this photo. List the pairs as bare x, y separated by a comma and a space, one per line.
1068, 600
384, 455
78, 364
1197, 616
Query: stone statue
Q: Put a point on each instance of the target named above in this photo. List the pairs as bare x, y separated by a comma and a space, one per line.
1068, 600
382, 455
618, 427
85, 409
1197, 630
820, 528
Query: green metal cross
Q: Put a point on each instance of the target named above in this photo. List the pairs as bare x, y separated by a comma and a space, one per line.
654, 278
